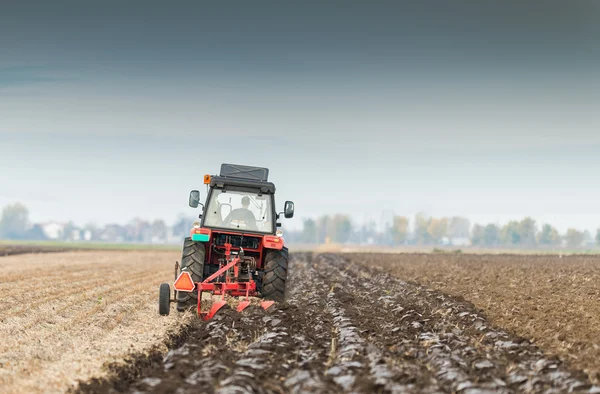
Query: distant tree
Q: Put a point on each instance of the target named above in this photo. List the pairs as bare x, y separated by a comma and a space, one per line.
138, 230
574, 238
292, 236
182, 226
458, 227
326, 229
386, 237
68, 231
491, 235
437, 229
309, 232
400, 229
587, 236
477, 235
527, 231
343, 228
598, 237
368, 232
36, 233
14, 221
511, 234
548, 236
113, 232
421, 228
159, 231
92, 229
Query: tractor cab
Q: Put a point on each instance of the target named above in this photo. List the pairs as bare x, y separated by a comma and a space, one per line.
240, 209
240, 199
237, 247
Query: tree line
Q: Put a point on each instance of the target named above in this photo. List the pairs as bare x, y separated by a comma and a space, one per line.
15, 224
427, 230
339, 228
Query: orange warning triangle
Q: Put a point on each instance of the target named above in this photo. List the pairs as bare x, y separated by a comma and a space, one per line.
184, 282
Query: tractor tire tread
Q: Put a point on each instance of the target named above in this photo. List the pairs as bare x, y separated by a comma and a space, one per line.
164, 302
275, 275
192, 261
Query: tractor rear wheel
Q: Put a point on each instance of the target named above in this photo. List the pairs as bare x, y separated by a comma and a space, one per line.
275, 275
192, 261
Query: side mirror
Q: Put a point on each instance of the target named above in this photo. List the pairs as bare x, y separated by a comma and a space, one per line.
194, 198
288, 210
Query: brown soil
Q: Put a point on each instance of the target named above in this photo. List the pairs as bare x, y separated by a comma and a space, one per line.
10, 250
347, 328
552, 300
63, 315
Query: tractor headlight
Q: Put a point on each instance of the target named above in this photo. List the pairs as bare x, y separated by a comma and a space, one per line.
196, 224
279, 232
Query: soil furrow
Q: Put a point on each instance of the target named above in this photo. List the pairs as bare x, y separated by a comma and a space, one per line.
348, 362
390, 353
313, 337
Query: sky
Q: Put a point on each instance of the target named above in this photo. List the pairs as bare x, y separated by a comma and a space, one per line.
485, 109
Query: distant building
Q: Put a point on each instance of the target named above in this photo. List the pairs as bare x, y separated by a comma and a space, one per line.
113, 233
456, 241
75, 235
53, 230
590, 243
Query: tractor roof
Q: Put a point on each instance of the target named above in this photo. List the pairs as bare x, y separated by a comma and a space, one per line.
243, 176
244, 172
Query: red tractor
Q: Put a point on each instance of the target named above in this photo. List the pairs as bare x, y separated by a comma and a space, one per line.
236, 248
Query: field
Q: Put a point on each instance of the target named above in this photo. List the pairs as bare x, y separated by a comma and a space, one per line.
553, 300
62, 315
8, 248
346, 327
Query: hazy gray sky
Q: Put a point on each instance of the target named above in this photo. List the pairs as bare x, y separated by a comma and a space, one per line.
484, 109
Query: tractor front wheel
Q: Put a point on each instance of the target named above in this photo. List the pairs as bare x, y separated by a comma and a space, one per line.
192, 261
164, 302
275, 275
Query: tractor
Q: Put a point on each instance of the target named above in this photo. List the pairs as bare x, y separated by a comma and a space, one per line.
236, 248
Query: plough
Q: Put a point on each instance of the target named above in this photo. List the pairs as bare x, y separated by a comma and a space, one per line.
230, 286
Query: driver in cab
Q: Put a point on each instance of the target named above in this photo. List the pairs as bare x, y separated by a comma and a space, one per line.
242, 214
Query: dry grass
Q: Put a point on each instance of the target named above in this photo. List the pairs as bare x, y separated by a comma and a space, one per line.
553, 300
63, 315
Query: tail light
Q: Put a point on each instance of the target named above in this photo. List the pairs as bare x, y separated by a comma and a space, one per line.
200, 234
273, 242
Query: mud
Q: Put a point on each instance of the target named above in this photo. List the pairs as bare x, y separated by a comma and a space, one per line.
345, 328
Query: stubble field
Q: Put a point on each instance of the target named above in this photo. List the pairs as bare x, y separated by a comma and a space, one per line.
351, 323
63, 315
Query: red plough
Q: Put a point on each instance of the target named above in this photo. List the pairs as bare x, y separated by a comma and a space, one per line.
231, 286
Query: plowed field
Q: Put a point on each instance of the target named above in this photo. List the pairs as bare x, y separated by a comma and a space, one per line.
347, 328
553, 300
